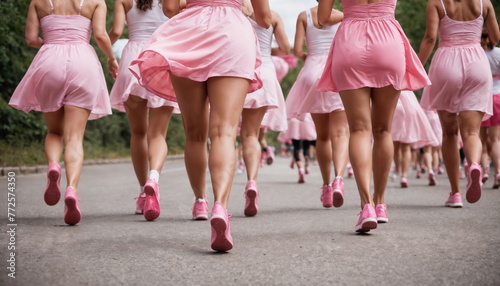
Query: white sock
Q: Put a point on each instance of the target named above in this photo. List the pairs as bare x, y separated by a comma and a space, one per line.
142, 194
153, 174
301, 170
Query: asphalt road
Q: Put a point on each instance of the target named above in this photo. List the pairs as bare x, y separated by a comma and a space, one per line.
292, 241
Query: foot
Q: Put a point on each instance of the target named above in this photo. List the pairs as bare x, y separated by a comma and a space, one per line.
326, 196
338, 192
454, 201
485, 177
367, 219
139, 203
432, 179
53, 190
381, 212
473, 193
269, 155
404, 182
200, 209
251, 199
152, 204
301, 178
496, 184
221, 239
72, 214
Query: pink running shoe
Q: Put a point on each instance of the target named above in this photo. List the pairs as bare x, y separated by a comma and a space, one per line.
496, 184
440, 170
326, 196
419, 174
53, 190
381, 211
139, 203
350, 172
432, 179
454, 201
221, 229
200, 209
72, 214
404, 182
301, 178
292, 164
473, 193
367, 219
485, 177
307, 171
269, 155
152, 204
262, 157
251, 199
338, 192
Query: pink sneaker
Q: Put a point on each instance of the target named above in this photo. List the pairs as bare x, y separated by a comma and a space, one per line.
454, 201
496, 184
381, 211
419, 174
301, 178
292, 164
367, 219
440, 170
221, 229
53, 190
338, 192
200, 209
72, 214
251, 199
152, 204
269, 155
307, 171
262, 157
485, 177
473, 193
350, 172
404, 182
326, 196
432, 179
139, 203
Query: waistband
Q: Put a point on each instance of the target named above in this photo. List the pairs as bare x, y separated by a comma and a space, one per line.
210, 3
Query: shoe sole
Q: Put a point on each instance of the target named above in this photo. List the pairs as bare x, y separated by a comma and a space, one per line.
474, 190
338, 198
251, 209
221, 242
404, 185
269, 161
455, 205
366, 225
53, 192
73, 214
382, 220
200, 217
432, 182
149, 212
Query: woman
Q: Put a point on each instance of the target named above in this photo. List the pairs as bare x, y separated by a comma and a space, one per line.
66, 83
370, 90
462, 97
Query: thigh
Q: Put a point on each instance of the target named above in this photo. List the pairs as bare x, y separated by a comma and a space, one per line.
449, 122
159, 118
137, 113
54, 121
75, 121
384, 101
357, 108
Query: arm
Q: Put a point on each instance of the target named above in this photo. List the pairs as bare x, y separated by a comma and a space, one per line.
246, 7
33, 28
491, 23
324, 11
262, 13
431, 30
118, 21
280, 36
300, 35
336, 16
172, 7
101, 36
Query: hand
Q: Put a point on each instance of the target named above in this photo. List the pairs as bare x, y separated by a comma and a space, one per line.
113, 67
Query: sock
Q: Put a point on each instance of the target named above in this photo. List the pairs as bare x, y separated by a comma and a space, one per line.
153, 174
301, 170
339, 177
142, 194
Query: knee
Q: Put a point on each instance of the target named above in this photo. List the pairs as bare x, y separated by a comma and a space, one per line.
380, 133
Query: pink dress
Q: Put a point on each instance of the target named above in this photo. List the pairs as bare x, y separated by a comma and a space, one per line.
303, 97
370, 49
281, 67
141, 25
65, 71
459, 71
210, 38
270, 94
494, 59
433, 118
299, 130
410, 124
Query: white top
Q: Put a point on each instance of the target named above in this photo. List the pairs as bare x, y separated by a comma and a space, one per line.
494, 59
142, 24
319, 40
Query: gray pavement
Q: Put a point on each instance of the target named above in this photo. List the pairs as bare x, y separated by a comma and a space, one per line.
292, 241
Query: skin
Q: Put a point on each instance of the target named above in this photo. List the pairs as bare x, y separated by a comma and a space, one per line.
226, 96
369, 113
148, 126
66, 126
467, 122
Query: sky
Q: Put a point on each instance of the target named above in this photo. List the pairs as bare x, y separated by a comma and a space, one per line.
289, 10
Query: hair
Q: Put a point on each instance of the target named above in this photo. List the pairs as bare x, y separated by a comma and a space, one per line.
145, 4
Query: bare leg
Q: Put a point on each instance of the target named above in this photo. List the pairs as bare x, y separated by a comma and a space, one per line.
54, 137
406, 158
470, 124
159, 119
227, 96
192, 99
384, 101
137, 114
397, 156
494, 136
428, 158
339, 135
250, 126
323, 145
451, 155
262, 137
75, 121
485, 158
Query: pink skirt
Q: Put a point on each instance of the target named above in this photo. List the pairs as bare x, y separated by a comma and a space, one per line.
126, 83
494, 120
299, 130
410, 124
433, 118
201, 42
